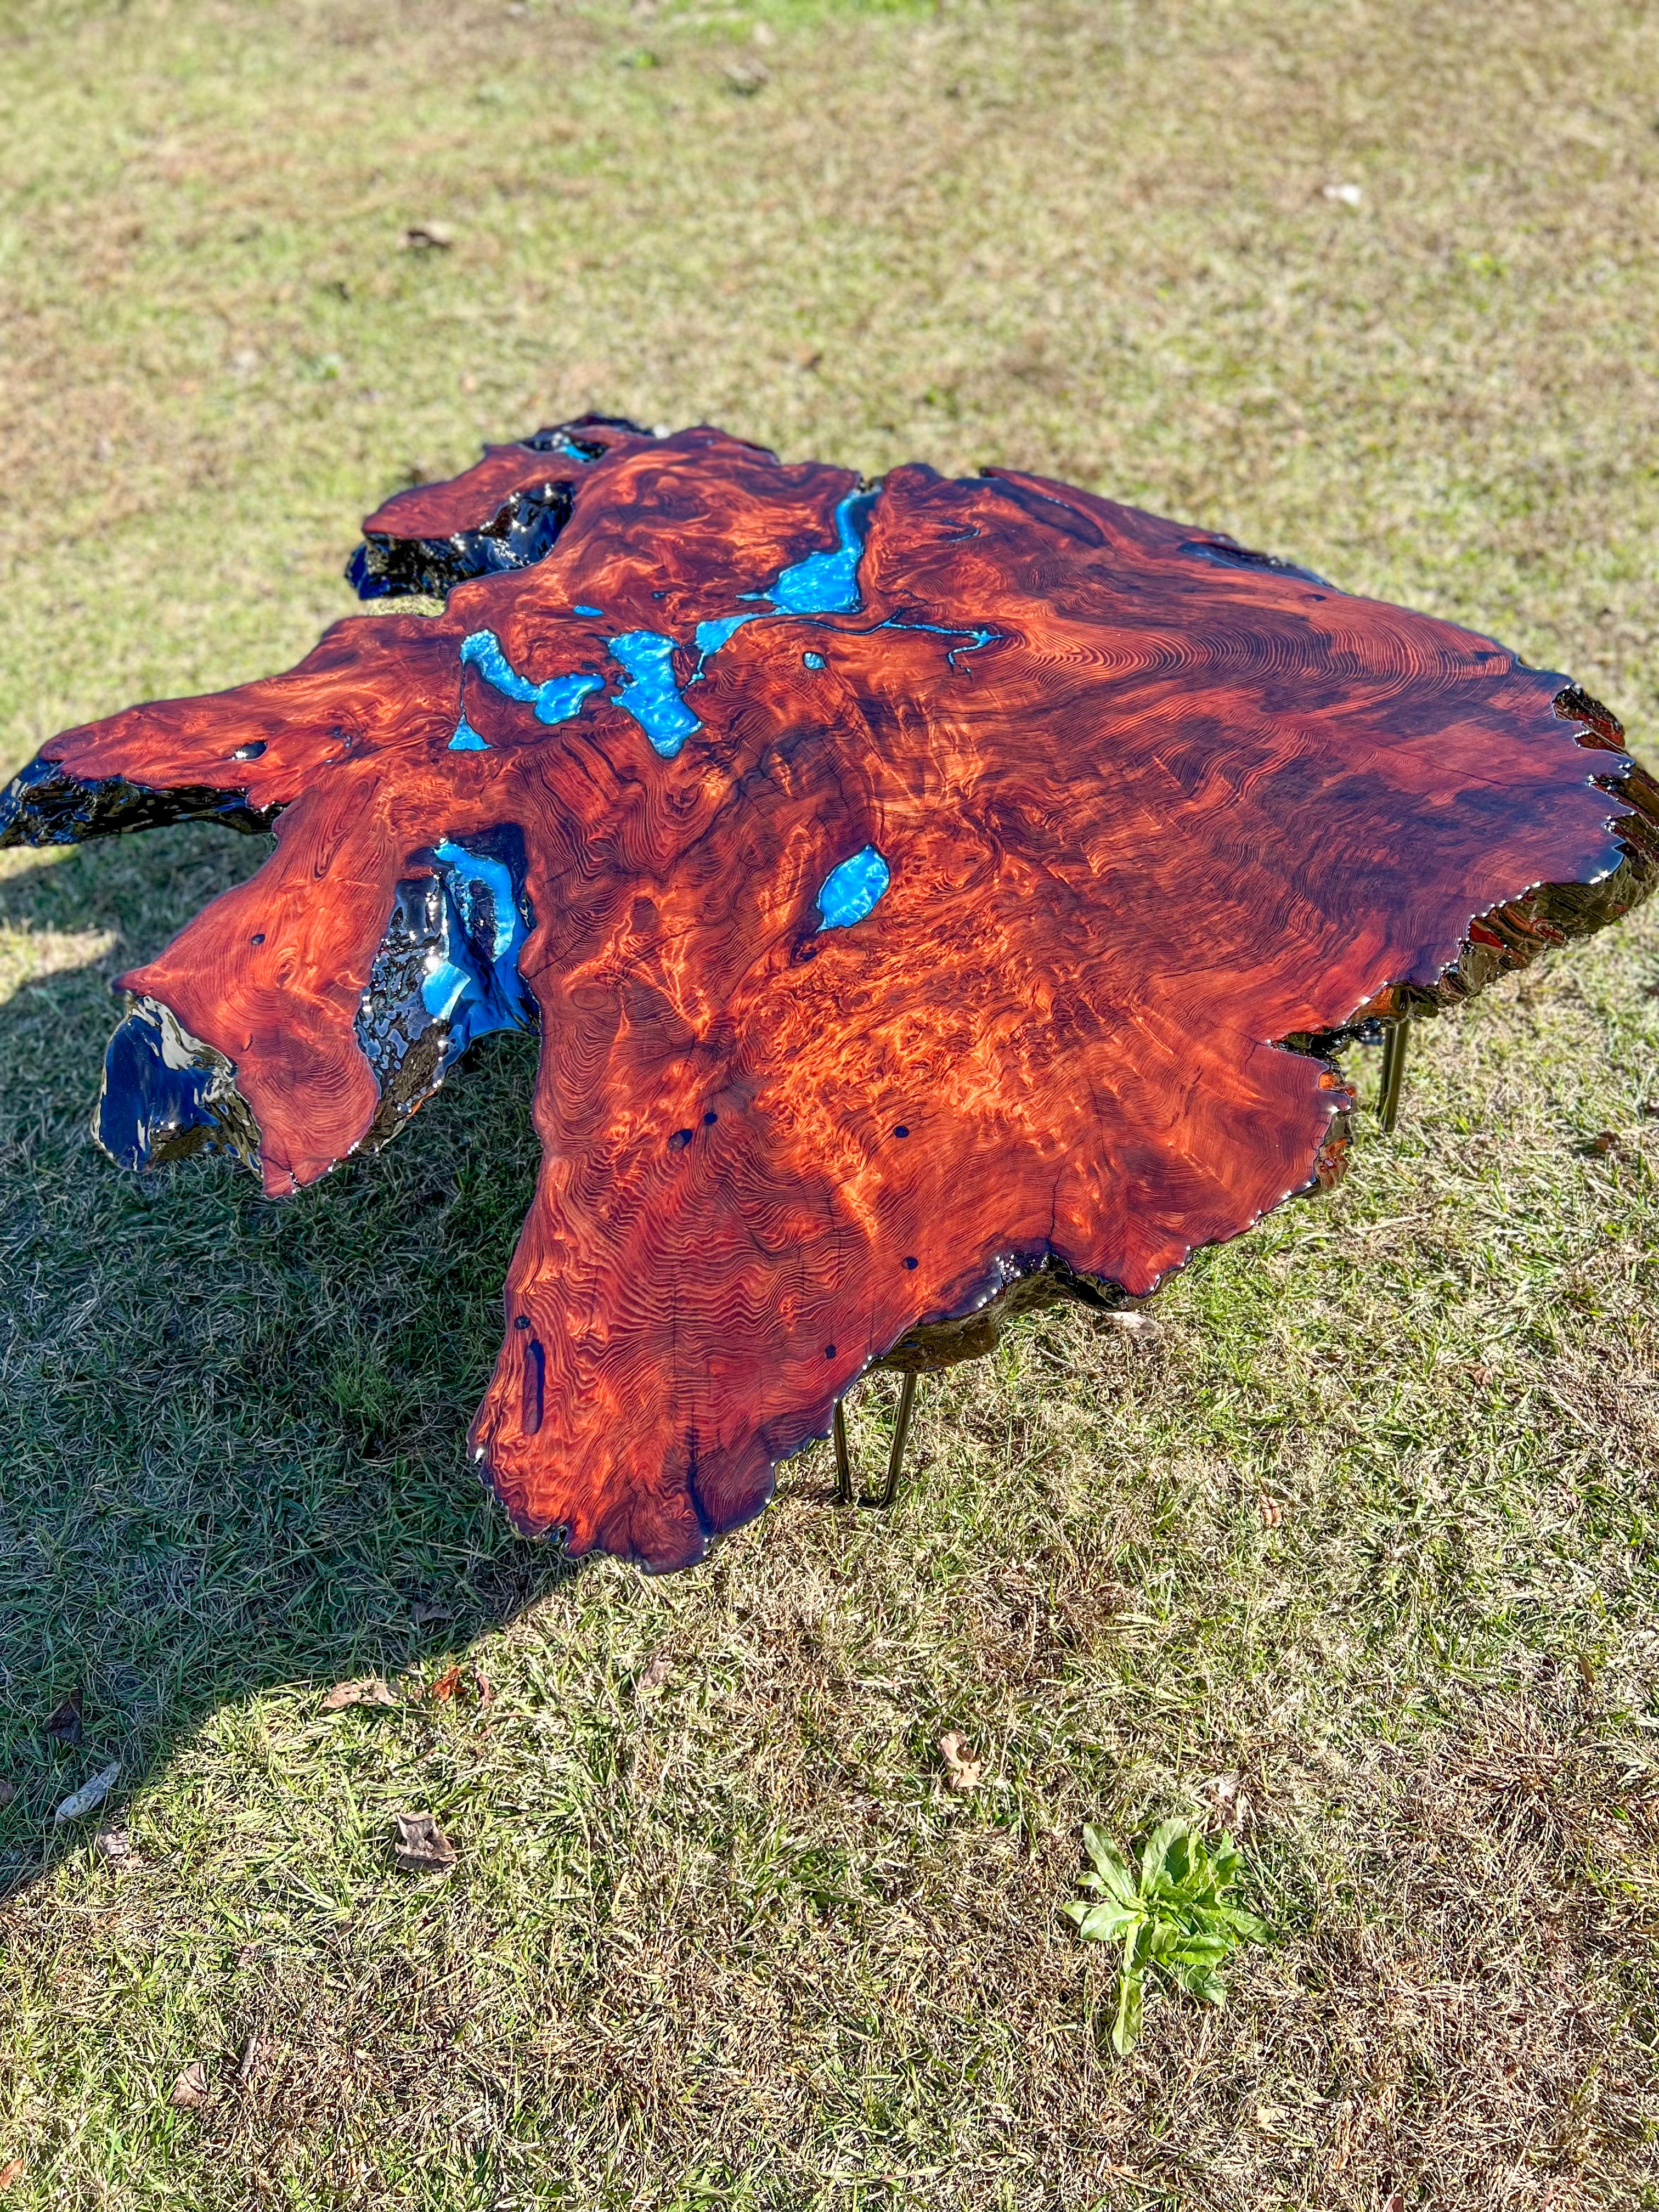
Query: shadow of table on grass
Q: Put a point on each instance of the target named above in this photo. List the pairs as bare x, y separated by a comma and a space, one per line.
235, 1429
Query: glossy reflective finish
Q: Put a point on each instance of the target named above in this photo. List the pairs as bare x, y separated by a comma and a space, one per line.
928, 896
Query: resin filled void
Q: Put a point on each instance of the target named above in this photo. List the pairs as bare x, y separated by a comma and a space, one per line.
850, 892
932, 898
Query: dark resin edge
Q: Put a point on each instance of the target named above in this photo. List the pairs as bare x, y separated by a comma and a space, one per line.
44, 804
523, 531
1510, 935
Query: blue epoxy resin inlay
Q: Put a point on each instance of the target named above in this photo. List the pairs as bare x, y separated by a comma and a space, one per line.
975, 638
827, 583
562, 697
556, 701
710, 636
814, 660
850, 892
466, 739
472, 980
652, 697
588, 611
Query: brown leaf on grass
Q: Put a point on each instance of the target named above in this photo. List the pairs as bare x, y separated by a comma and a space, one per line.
455, 1680
1272, 1513
250, 2059
191, 2088
962, 1769
10, 2172
421, 1845
656, 1672
1142, 1326
428, 238
63, 1726
1607, 1140
1231, 1804
113, 1844
371, 1691
7, 1792
424, 1615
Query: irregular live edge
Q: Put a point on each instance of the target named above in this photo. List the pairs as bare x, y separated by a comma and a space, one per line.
932, 899
417, 545
164, 1094
525, 529
1509, 936
1017, 1286
44, 804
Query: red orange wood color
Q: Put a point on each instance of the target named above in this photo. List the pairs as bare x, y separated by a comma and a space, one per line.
1150, 807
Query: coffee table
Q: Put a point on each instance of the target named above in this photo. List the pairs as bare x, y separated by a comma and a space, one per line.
934, 898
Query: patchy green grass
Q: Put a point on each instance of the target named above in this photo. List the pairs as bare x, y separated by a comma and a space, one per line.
1359, 1554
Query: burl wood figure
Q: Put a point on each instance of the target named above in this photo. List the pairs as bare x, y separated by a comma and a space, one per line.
933, 898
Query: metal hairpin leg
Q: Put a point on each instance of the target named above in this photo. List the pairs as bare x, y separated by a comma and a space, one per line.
1393, 1074
844, 1491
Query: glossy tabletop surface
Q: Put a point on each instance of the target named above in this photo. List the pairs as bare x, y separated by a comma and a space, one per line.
913, 887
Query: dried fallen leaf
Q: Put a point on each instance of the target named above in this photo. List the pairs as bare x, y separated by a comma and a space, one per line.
746, 78
250, 2060
428, 237
446, 1686
1345, 195
483, 1688
191, 2086
89, 1794
422, 1846
8, 1793
962, 1769
113, 1844
1272, 1512
63, 1726
371, 1691
1229, 1804
1607, 1140
1129, 1324
424, 1614
657, 1671
10, 2172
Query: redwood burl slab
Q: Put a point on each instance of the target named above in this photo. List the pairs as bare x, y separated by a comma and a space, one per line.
922, 893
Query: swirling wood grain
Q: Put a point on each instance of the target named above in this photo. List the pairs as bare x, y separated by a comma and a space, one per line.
1153, 812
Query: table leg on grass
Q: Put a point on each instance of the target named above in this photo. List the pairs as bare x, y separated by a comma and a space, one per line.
845, 1494
1393, 1074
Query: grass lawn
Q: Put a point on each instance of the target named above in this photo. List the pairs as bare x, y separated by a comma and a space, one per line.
1357, 1553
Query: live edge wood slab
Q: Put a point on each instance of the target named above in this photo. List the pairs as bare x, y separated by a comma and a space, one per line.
933, 897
